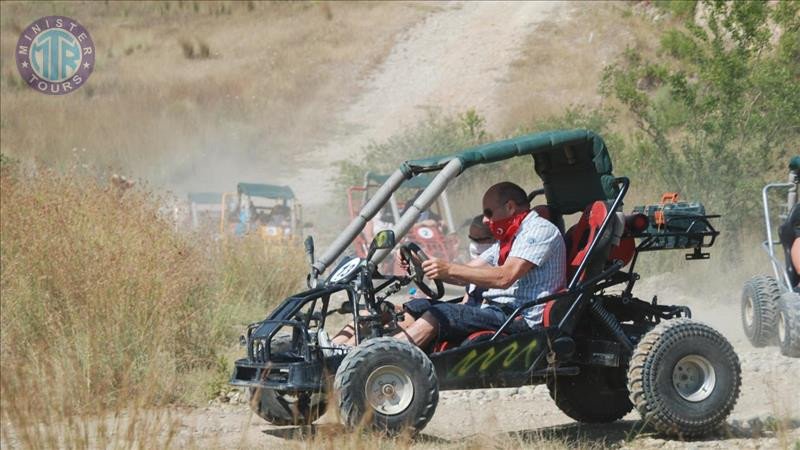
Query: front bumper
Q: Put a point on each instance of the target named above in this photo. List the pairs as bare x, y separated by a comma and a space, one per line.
294, 376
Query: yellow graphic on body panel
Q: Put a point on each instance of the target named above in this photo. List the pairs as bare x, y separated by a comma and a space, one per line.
490, 355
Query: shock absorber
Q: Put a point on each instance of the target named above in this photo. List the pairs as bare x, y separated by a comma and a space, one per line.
610, 322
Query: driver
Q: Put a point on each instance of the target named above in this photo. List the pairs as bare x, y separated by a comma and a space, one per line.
481, 239
527, 262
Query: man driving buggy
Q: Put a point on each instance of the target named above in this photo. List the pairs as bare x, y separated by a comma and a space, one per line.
528, 261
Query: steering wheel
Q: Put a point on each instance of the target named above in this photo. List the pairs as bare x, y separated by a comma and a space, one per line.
412, 253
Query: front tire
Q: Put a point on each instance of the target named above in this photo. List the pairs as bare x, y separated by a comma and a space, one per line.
684, 378
760, 310
789, 324
595, 395
387, 385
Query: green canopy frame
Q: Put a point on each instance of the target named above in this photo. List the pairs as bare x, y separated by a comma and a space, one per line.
270, 191
574, 165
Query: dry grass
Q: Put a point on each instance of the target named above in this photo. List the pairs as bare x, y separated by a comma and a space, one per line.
108, 312
198, 95
562, 62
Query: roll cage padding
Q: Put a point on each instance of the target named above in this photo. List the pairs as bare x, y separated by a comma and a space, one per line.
574, 165
580, 236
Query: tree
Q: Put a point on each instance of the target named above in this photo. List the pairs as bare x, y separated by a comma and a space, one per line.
718, 110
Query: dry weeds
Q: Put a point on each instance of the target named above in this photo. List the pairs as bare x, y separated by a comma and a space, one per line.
107, 311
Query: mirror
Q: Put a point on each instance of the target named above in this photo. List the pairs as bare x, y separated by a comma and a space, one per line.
383, 240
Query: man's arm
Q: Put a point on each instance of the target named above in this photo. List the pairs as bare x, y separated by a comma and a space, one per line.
484, 275
477, 262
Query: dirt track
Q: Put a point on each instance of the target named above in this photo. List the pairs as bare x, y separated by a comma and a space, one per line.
454, 60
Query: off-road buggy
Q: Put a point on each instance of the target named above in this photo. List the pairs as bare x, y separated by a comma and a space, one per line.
435, 234
207, 211
601, 351
269, 210
771, 304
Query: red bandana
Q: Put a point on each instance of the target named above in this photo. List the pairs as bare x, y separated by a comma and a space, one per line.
505, 230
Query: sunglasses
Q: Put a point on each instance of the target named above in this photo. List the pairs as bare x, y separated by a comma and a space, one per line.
488, 213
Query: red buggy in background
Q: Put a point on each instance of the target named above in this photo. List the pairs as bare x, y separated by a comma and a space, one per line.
434, 232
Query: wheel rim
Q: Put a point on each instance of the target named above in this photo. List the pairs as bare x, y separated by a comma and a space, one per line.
694, 378
389, 390
781, 327
749, 312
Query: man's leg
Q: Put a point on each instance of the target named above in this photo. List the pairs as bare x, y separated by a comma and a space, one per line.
413, 310
421, 332
453, 322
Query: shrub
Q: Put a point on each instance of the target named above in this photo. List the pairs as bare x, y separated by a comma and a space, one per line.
105, 307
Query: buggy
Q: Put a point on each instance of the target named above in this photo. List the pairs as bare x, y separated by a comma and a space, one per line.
601, 350
207, 210
269, 210
435, 233
771, 303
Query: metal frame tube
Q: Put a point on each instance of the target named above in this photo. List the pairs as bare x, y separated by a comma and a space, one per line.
423, 202
769, 244
357, 224
448, 214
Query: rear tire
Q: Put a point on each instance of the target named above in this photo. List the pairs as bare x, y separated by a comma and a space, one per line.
595, 395
684, 378
789, 324
388, 386
760, 310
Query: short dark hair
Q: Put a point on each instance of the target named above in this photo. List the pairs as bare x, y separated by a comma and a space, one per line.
507, 190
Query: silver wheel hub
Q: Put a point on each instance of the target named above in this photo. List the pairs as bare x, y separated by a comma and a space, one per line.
782, 327
749, 312
694, 378
389, 390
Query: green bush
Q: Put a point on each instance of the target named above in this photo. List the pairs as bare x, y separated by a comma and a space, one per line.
717, 112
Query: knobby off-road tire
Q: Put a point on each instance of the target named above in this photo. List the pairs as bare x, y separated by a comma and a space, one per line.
789, 324
595, 395
388, 386
684, 378
286, 408
760, 310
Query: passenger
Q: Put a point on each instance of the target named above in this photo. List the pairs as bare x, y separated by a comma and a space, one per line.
527, 262
279, 216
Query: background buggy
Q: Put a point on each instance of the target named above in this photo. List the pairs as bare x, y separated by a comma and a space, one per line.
436, 235
771, 304
269, 210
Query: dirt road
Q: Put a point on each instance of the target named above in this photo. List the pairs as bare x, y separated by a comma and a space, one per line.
454, 60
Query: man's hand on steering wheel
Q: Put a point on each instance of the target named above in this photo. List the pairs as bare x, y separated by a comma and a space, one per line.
436, 269
415, 258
